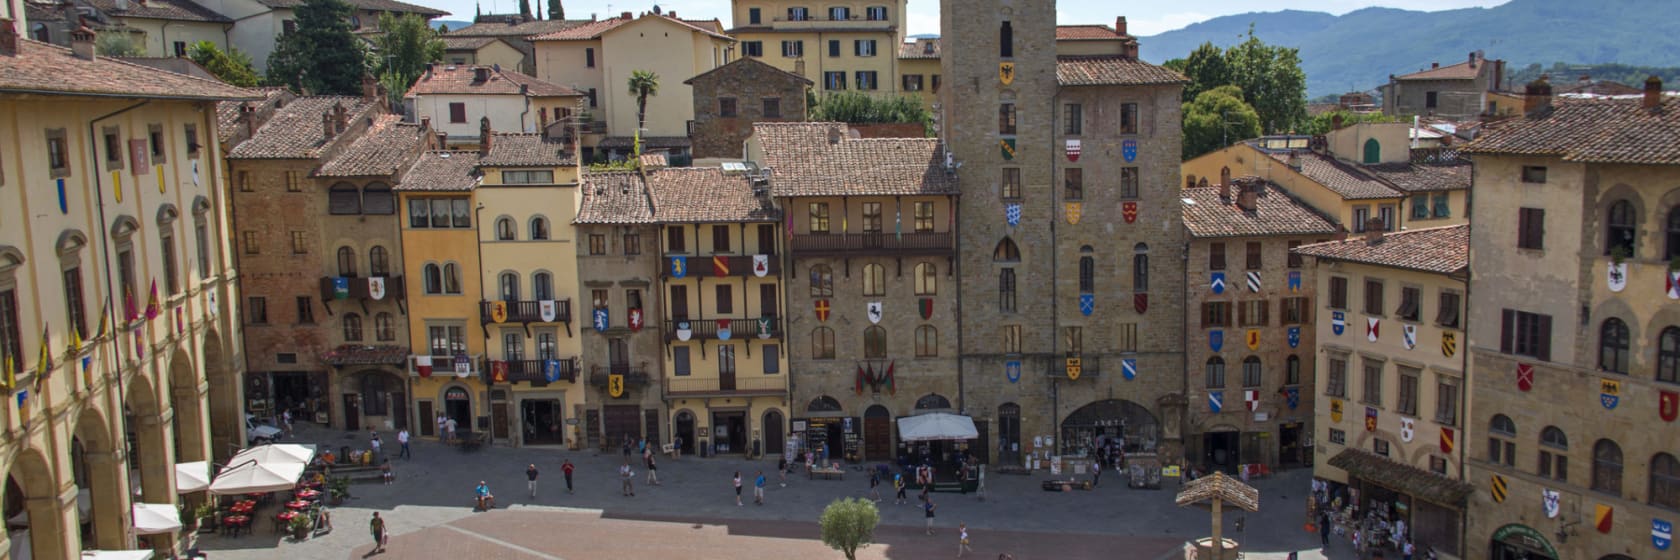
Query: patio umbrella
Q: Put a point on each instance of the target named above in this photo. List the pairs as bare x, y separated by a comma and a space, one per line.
936, 426
192, 477
154, 519
250, 476
116, 554
276, 453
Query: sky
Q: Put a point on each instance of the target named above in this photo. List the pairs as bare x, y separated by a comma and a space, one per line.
1143, 18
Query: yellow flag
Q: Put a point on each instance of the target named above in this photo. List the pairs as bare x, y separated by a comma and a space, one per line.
11, 372
45, 365
75, 341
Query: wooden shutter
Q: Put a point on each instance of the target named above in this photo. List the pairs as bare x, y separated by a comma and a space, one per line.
1543, 348
1507, 330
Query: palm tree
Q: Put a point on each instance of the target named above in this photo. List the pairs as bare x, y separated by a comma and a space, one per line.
642, 85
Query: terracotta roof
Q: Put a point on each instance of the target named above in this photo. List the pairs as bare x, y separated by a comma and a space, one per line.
521, 30
40, 68
1086, 33
1460, 71
1431, 487
1442, 250
526, 150
462, 80
706, 194
1275, 213
648, 142
1112, 70
379, 151
1341, 178
467, 43
917, 50
1415, 177
359, 355
227, 112
748, 60
617, 197
373, 5
1228, 490
295, 132
804, 163
441, 171
1614, 130
594, 29
1597, 87
179, 10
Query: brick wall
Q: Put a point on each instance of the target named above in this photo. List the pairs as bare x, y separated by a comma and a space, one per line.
748, 82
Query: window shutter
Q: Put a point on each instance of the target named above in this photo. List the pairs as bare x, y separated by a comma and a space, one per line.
1207, 317
1507, 320
1545, 335
1242, 313
1265, 314
1306, 311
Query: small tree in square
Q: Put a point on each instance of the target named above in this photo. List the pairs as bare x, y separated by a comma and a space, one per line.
848, 524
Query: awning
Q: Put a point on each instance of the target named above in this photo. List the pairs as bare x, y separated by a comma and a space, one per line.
192, 477
1410, 480
936, 426
115, 554
276, 453
153, 519
250, 476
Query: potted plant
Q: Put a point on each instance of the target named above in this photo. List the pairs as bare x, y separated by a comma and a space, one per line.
206, 516
299, 527
338, 488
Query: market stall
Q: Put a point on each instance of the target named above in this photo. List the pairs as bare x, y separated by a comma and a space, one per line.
940, 440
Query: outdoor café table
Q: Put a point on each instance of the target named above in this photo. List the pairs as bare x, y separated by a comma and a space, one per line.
297, 504
283, 519
308, 494
235, 522
243, 507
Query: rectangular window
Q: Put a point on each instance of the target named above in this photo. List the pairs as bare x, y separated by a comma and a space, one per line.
1216, 256
245, 182
1408, 404
675, 241
256, 308
1420, 207
1073, 183
724, 302
513, 346
298, 243
1361, 216
834, 80
1554, 464
1006, 119
1380, 447
726, 359
1294, 310
1073, 339
419, 213
592, 99
457, 112
1438, 465
1411, 304
752, 48
74, 301
936, 83
1251, 372
58, 152
589, 57
1128, 337
876, 13
540, 177
1129, 182
157, 143
726, 107
1214, 374
819, 217
1533, 174
1075, 119
125, 273
1385, 215
720, 239
1216, 314
1373, 382
793, 49
201, 234
1252, 254
910, 82
679, 362
1442, 205
866, 81
834, 48
1006, 40
251, 246
1338, 437
1294, 258
1531, 228
11, 335
1012, 339
1128, 118
1446, 402
755, 16
924, 217
1252, 313
1431, 99
1338, 292
1447, 309
113, 148
839, 13
1373, 297
305, 310
872, 217
772, 107
771, 359
293, 182
1011, 189
288, 26
632, 244
597, 244
1526, 334
864, 47
1292, 371
1335, 380
1006, 290
171, 269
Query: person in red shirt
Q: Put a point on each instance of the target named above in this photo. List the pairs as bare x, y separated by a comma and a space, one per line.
566, 468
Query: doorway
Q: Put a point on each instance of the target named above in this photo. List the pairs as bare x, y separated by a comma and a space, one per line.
651, 420
877, 434
1009, 434
1221, 450
352, 412
774, 444
730, 432
685, 430
1289, 443
541, 421
457, 405
428, 419
499, 415
622, 422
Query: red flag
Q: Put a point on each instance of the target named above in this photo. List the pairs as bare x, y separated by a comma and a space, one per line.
1525, 377
152, 306
423, 364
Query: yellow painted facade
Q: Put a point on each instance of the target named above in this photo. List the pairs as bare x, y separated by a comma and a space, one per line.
443, 308
1244, 159
824, 38
160, 36
673, 51
493, 53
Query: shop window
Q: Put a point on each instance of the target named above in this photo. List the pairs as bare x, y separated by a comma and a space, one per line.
1607, 467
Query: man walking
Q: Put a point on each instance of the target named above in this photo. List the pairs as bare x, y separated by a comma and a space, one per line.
531, 479
898, 482
626, 475
402, 439
449, 427
1324, 530
566, 469
758, 489
653, 471
375, 444
928, 506
377, 527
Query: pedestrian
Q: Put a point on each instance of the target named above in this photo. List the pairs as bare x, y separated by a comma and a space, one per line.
531, 479
627, 448
898, 483
627, 476
374, 443
641, 444
874, 483
1407, 550
653, 470
385, 472
676, 447
962, 540
449, 426
782, 468
1324, 530
737, 488
402, 440
377, 527
566, 469
825, 454
286, 420
1096, 472
486, 500
928, 506
758, 489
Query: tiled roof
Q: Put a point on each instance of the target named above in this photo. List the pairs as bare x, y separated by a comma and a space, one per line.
706, 194
616, 197
179, 10
739, 64
1442, 250
520, 30
373, 5
1406, 478
1217, 486
1614, 130
1086, 33
40, 68
461, 80
918, 50
227, 112
1416, 177
295, 132
467, 43
594, 29
359, 355
1112, 70
526, 150
1275, 213
804, 162
379, 151
648, 142
1345, 180
1598, 87
1460, 71
441, 171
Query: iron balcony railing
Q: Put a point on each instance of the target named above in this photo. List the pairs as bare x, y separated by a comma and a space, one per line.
926, 243
708, 329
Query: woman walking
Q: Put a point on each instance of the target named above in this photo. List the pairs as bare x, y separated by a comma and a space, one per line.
377, 527
737, 488
898, 482
653, 471
874, 483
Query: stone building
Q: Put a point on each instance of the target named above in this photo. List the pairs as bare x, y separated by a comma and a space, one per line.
617, 274
1070, 209
118, 333
1575, 332
730, 99
919, 66
1456, 91
1389, 436
455, 98
1249, 329
872, 310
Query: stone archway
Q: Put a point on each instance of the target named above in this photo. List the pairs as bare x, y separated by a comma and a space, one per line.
1129, 423
148, 446
97, 471
31, 490
187, 402
226, 393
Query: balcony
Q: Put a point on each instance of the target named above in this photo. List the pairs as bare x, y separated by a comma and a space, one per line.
526, 312
739, 329
842, 244
532, 371
738, 266
728, 386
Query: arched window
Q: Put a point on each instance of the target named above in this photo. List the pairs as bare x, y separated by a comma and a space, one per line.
822, 281
927, 279
1613, 346
346, 262
875, 342
1607, 467
1502, 444
822, 343
507, 286
384, 327
1216, 373
542, 286
379, 261
1668, 355
874, 280
1006, 251
1554, 454
1673, 234
1140, 268
504, 229
377, 199
40, 32
1251, 372
1373, 151
352, 327
1619, 228
1292, 370
433, 276
1665, 481
539, 228
927, 342
344, 198
451, 278
1087, 272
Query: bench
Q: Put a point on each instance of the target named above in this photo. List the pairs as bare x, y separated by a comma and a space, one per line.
469, 441
827, 474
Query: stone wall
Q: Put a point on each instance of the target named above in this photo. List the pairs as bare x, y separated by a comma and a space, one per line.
749, 82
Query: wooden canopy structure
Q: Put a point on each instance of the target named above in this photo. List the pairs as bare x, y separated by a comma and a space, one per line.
1219, 489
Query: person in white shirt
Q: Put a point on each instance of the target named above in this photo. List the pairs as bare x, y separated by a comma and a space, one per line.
402, 439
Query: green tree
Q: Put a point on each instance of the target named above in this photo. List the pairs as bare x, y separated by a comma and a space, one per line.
848, 524
1320, 124
643, 84
555, 10
322, 56
1271, 80
1218, 118
116, 44
1207, 68
859, 108
407, 45
232, 66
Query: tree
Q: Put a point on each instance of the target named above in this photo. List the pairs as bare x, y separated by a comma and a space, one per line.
407, 45
643, 84
322, 56
1207, 69
116, 44
555, 10
1271, 80
1320, 123
233, 66
859, 108
1216, 119
849, 524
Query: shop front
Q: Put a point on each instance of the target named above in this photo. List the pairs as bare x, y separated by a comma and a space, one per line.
1389, 503
304, 393
825, 426
1520, 542
1107, 424
542, 418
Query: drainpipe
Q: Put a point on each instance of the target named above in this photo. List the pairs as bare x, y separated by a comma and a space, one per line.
1055, 199
478, 244
105, 255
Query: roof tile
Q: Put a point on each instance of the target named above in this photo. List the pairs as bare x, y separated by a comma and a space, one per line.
919, 50
441, 171
1275, 213
295, 132
594, 29
1460, 71
1111, 70
1442, 250
41, 68
616, 197
1417, 177
380, 151
463, 80
516, 30
1346, 180
804, 162
179, 10
526, 150
227, 112
1086, 33
372, 5
1591, 130
706, 194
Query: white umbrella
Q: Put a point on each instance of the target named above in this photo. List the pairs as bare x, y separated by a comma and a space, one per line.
116, 555
936, 426
153, 519
250, 477
192, 477
276, 453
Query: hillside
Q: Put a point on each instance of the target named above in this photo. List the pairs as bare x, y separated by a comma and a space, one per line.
453, 24
1358, 50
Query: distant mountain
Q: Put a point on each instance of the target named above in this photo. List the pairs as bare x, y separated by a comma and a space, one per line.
1358, 50
453, 24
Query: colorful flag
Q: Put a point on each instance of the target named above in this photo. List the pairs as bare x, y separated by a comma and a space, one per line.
75, 340
130, 311
152, 305
45, 364
11, 372
104, 322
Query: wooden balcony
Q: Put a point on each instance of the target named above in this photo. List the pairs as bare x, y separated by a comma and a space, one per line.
730, 385
533, 371
842, 244
702, 266
526, 312
739, 329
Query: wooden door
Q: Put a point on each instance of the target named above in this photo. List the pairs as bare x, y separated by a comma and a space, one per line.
877, 434
428, 419
773, 440
352, 412
621, 420
499, 420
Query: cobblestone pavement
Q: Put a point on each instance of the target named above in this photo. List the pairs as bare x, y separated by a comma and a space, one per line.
429, 514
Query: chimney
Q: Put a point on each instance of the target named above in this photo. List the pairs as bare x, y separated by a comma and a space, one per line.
8, 38
484, 136
370, 87
341, 117
1373, 230
1434, 65
833, 135
1120, 25
1248, 195
327, 125
1585, 80
799, 66
1653, 92
1336, 121
1225, 176
1537, 96
1224, 188
1132, 49
671, 14
425, 123
81, 43
248, 115
1295, 160
442, 140
1472, 59
625, 16
481, 75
